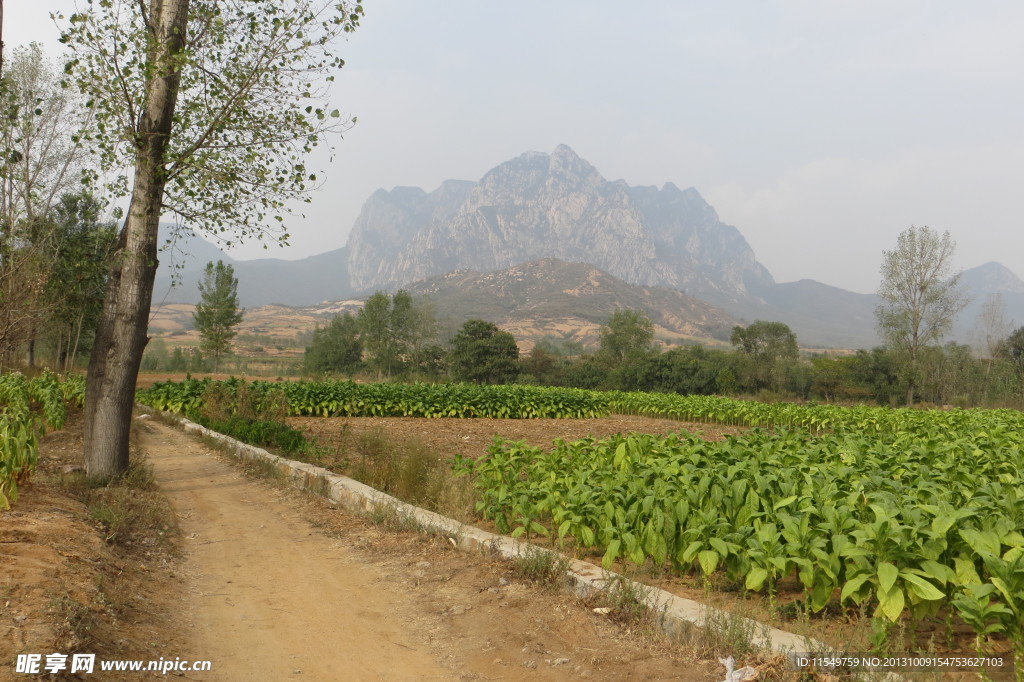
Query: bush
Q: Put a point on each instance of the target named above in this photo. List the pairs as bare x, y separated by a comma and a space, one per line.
251, 415
263, 433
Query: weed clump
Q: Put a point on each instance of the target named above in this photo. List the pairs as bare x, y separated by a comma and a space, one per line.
549, 569
410, 471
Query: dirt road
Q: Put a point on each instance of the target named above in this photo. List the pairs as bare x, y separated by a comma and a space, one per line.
281, 586
272, 598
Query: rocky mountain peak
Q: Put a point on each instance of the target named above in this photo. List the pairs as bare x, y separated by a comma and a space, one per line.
555, 205
992, 277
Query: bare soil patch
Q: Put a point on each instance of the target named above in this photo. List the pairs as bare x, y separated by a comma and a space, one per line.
65, 589
471, 437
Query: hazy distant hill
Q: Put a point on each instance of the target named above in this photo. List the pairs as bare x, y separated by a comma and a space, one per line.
261, 281
820, 315
568, 300
979, 283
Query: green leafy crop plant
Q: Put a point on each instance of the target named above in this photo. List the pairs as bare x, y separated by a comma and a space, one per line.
905, 512
27, 408
349, 399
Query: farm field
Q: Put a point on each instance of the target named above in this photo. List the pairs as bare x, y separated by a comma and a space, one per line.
784, 608
906, 522
471, 437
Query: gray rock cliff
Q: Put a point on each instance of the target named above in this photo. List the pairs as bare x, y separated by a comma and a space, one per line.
552, 206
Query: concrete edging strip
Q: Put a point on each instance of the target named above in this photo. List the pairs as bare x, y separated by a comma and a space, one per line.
676, 614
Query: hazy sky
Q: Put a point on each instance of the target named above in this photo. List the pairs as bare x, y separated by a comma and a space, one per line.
819, 129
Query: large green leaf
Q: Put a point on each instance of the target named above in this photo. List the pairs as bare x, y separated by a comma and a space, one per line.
891, 603
611, 553
756, 578
921, 587
708, 561
852, 586
887, 574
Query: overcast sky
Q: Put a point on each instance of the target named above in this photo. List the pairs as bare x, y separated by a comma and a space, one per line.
819, 129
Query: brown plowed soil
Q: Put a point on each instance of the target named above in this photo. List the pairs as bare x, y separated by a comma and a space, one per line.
471, 437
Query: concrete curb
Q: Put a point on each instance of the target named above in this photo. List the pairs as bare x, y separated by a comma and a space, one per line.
677, 616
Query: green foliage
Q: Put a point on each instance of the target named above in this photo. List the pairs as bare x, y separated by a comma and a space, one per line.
27, 407
586, 373
766, 340
900, 510
349, 399
484, 354
252, 413
687, 370
82, 246
1011, 349
771, 348
544, 365
627, 333
393, 331
335, 348
178, 361
217, 313
263, 433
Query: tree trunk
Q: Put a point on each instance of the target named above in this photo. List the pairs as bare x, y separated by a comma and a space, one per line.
121, 334
73, 353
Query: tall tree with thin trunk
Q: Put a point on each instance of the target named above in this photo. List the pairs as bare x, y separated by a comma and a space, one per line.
217, 313
920, 295
991, 328
210, 107
39, 161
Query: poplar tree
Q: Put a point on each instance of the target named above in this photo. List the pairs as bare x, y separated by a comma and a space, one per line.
921, 297
217, 313
205, 110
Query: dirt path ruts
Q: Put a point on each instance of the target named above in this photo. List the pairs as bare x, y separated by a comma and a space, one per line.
270, 598
282, 586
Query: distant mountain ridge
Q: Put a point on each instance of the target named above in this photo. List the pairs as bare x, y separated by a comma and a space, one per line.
540, 206
558, 208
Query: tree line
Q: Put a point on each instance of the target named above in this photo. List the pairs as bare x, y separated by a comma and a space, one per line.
396, 337
55, 240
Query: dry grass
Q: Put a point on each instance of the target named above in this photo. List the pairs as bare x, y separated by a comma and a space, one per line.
408, 470
129, 507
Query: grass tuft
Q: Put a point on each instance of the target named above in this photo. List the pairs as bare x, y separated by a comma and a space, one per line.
549, 569
629, 602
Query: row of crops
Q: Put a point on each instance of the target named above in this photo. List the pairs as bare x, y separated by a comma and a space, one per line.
899, 511
349, 399
27, 407
903, 512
